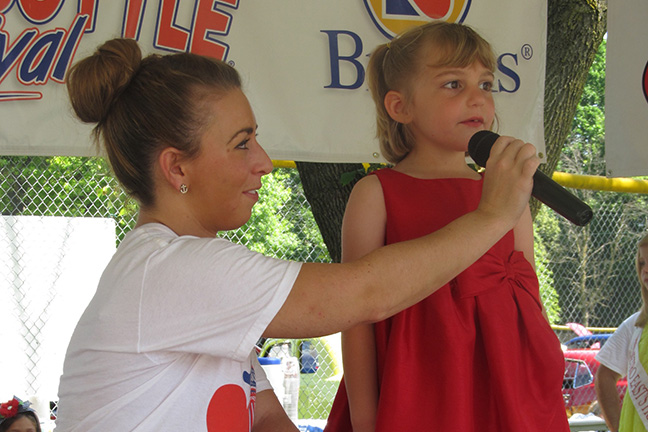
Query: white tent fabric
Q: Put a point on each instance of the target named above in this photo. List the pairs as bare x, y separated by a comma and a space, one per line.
303, 64
626, 89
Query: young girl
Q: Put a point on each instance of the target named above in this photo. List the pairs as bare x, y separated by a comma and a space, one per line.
478, 354
18, 416
627, 347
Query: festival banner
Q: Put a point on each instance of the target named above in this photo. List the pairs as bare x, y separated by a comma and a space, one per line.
303, 64
626, 89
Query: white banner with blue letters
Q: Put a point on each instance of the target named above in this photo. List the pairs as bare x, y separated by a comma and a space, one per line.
302, 62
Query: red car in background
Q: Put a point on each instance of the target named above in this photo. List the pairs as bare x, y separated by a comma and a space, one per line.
580, 371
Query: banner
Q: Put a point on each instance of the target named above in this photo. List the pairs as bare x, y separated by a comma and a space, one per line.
626, 89
302, 62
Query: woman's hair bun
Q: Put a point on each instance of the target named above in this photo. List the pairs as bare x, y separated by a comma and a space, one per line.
95, 83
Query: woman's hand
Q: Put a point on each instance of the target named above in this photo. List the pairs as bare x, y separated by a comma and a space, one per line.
508, 179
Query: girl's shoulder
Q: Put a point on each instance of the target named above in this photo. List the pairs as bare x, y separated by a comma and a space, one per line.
368, 187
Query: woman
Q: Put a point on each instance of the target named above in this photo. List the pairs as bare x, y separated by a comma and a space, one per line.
167, 341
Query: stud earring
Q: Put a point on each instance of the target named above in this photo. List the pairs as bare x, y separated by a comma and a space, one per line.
183, 188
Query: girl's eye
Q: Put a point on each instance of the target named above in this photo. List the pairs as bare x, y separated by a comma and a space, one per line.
487, 85
451, 85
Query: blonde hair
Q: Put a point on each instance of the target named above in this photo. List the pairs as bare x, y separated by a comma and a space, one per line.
642, 319
394, 65
143, 105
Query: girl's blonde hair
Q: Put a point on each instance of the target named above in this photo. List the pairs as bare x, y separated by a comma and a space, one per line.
394, 65
642, 319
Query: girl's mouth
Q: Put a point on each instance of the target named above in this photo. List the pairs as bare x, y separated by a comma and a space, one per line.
473, 121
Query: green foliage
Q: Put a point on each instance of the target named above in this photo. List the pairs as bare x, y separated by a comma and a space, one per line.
586, 142
282, 223
351, 176
63, 186
548, 293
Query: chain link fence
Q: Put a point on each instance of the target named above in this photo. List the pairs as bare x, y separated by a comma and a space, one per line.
587, 273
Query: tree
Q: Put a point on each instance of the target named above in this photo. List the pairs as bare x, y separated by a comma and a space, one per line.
575, 29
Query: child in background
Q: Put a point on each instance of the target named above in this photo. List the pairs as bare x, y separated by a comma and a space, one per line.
627, 347
478, 354
17, 416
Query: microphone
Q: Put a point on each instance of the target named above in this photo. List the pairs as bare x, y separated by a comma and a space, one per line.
544, 190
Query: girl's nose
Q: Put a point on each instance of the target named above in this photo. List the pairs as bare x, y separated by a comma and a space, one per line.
476, 96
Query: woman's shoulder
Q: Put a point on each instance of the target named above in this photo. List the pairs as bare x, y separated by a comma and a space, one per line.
155, 239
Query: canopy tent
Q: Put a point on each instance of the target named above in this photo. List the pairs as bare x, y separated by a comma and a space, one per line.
303, 64
626, 89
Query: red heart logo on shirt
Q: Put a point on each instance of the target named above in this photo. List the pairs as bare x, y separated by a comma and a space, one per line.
227, 410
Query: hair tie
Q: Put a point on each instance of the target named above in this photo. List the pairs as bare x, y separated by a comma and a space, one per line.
14, 407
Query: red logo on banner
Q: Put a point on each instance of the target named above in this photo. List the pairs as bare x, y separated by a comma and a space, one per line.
394, 16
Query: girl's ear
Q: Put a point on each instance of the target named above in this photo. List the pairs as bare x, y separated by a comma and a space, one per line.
397, 107
170, 162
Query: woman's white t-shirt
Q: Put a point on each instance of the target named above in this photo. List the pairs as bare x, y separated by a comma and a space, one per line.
167, 341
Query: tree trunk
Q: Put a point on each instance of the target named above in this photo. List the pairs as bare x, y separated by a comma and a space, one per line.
327, 196
575, 29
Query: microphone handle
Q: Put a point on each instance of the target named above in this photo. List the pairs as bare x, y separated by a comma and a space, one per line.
560, 200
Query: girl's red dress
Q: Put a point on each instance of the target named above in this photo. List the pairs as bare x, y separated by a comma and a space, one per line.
478, 354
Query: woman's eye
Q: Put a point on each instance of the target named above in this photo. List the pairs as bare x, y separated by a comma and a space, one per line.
243, 144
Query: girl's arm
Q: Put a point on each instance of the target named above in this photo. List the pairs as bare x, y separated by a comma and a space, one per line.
523, 233
606, 392
363, 230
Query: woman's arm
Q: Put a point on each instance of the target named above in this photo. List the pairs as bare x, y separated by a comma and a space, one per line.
363, 230
327, 298
608, 397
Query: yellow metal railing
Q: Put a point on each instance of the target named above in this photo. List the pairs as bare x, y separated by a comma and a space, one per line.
592, 329
618, 184
576, 181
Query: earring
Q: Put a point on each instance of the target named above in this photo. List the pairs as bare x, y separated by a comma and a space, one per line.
183, 188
